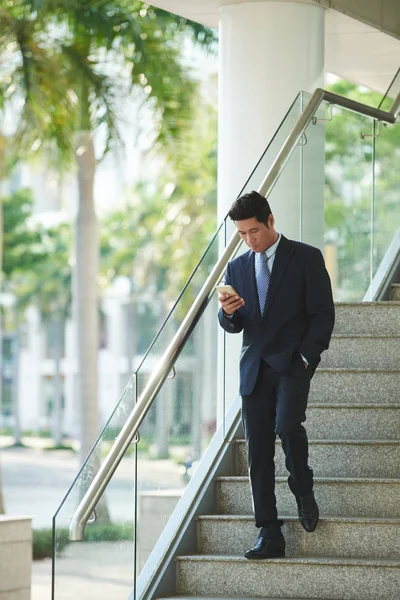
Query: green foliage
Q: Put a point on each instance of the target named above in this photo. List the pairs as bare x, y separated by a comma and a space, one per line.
37, 261
362, 211
42, 542
55, 64
33, 83
143, 44
159, 237
48, 283
23, 249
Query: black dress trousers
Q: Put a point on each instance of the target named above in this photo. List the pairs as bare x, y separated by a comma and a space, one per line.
277, 406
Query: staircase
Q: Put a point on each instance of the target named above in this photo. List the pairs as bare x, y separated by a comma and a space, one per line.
354, 431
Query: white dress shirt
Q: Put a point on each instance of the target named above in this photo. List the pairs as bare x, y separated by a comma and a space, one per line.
270, 252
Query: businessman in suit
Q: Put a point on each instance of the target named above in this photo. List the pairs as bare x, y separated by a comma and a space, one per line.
285, 309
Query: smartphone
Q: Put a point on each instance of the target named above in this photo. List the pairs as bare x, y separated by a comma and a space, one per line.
227, 289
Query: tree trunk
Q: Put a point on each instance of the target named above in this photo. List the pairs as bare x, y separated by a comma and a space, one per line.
58, 389
86, 296
86, 305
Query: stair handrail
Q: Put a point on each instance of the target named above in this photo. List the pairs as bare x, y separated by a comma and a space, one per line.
167, 361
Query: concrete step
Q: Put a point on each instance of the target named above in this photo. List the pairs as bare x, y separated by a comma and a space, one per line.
367, 318
337, 458
371, 498
222, 598
357, 386
345, 422
362, 352
338, 422
334, 537
394, 293
324, 578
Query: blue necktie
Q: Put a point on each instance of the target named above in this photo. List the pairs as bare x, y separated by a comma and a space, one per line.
263, 275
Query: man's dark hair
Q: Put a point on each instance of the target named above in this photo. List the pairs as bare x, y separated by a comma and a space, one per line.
250, 205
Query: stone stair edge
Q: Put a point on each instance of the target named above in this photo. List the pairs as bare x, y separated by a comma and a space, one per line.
356, 562
185, 597
338, 442
294, 519
371, 370
378, 303
357, 336
338, 480
352, 406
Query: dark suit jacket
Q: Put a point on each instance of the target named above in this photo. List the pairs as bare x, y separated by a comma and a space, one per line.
299, 313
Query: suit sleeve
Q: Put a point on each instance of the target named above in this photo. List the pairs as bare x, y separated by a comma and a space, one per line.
234, 323
319, 307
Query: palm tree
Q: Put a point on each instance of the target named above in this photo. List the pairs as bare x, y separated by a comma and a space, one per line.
76, 43
139, 45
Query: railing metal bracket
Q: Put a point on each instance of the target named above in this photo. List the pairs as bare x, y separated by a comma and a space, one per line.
303, 140
172, 373
94, 518
316, 120
372, 135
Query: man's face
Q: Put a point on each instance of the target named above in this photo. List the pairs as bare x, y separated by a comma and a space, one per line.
257, 235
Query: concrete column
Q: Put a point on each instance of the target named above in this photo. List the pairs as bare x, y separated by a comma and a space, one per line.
269, 52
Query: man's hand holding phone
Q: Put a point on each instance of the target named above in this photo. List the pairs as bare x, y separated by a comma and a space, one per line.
229, 299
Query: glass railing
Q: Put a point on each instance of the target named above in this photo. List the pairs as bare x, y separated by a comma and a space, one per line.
102, 563
173, 437
361, 209
332, 160
386, 205
392, 92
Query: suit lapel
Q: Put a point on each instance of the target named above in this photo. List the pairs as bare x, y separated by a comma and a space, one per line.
284, 253
249, 278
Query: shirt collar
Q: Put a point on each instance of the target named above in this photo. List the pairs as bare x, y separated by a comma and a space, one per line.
272, 249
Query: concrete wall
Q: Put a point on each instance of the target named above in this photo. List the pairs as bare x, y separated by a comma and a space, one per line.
15, 558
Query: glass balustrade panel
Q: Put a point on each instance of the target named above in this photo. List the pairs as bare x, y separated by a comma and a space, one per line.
190, 407
386, 210
100, 566
348, 200
176, 432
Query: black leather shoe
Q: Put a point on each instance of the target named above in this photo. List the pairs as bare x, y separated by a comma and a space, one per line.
267, 546
308, 512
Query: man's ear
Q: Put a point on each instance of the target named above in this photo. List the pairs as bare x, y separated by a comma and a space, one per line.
271, 220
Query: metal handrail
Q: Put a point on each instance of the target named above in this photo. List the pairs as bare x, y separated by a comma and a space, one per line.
166, 363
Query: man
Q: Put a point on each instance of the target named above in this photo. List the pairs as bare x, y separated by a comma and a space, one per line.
285, 309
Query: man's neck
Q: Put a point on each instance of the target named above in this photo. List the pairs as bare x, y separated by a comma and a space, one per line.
274, 242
